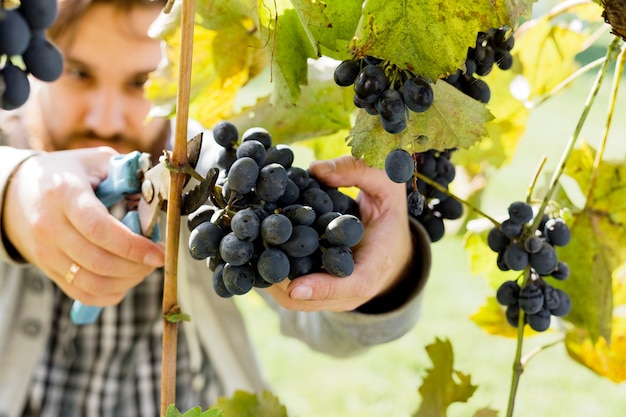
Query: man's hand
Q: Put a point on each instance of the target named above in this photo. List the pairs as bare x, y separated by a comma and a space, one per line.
380, 258
54, 220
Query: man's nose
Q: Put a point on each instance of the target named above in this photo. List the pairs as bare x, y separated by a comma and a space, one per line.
106, 113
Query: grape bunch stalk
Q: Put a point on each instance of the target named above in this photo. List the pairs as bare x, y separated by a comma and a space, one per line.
23, 38
270, 220
522, 247
382, 89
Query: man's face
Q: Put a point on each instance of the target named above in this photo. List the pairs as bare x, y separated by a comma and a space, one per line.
99, 98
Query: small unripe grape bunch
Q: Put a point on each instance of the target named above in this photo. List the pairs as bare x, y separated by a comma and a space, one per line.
491, 47
271, 221
384, 90
22, 34
520, 248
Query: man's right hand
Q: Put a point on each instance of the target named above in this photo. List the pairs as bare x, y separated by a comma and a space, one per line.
54, 219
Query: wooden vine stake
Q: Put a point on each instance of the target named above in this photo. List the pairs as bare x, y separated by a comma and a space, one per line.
178, 159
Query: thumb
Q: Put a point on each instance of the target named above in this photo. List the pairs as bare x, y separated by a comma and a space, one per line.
346, 171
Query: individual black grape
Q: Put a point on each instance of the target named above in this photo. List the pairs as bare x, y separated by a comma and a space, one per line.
345, 230
565, 304
417, 94
304, 240
399, 166
515, 257
504, 59
346, 72
415, 201
242, 175
258, 133
317, 199
238, 279
539, 321
14, 33
39, 14
225, 134
276, 229
271, 182
341, 201
545, 261
323, 220
450, 209
557, 232
226, 157
218, 282
299, 214
512, 314
281, 154
533, 244
246, 225
477, 89
299, 176
16, 87
235, 251
300, 266
511, 229
434, 226
561, 272
204, 240
273, 265
291, 194
43, 59
531, 298
338, 261
508, 293
520, 212
253, 149
390, 106
393, 128
496, 240
550, 297
370, 83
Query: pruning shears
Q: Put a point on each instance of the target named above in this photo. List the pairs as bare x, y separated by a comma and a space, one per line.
132, 174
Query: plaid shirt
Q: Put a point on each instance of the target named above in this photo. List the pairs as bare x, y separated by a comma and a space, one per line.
113, 368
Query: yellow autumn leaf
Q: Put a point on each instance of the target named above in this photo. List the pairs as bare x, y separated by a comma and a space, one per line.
606, 359
490, 317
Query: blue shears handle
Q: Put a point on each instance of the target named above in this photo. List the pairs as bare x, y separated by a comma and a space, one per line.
122, 180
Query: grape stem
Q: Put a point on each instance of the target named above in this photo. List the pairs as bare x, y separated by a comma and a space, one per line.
177, 180
444, 190
595, 173
534, 179
569, 148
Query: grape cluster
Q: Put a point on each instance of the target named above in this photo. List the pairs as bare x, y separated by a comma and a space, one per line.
492, 47
519, 247
384, 90
22, 34
429, 205
271, 220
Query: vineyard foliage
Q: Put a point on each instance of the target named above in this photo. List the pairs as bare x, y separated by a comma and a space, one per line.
270, 63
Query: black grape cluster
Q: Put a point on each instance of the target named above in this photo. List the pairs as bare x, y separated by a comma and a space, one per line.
429, 205
272, 220
23, 38
520, 248
383, 90
492, 47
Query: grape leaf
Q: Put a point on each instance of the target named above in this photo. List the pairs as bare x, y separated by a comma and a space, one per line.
172, 411
244, 404
597, 248
329, 25
486, 412
482, 259
442, 385
430, 38
608, 360
453, 121
288, 48
220, 14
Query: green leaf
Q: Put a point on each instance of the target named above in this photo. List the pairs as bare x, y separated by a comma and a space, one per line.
453, 121
442, 385
430, 38
244, 404
486, 412
172, 411
329, 25
220, 14
596, 250
287, 46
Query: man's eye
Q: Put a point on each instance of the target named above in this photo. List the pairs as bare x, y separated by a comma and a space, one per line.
77, 73
139, 83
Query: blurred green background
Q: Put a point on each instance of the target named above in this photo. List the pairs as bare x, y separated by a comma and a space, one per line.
384, 382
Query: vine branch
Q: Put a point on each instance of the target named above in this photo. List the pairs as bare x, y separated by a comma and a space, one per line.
177, 179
